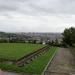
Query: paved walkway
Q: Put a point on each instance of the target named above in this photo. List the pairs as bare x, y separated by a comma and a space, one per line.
62, 64
11, 73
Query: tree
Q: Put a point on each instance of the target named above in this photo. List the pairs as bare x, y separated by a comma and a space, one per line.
56, 42
69, 36
34, 41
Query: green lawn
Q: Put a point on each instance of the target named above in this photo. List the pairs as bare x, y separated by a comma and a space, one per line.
36, 67
14, 51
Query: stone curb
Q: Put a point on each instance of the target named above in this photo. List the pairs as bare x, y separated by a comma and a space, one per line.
48, 63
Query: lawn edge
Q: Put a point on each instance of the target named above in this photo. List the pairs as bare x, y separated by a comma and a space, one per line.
49, 62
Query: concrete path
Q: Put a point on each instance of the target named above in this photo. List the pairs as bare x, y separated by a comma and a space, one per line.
11, 73
62, 64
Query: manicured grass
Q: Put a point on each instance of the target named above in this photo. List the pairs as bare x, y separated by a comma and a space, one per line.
14, 51
36, 67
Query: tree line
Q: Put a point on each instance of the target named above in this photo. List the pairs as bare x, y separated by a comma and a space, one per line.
69, 36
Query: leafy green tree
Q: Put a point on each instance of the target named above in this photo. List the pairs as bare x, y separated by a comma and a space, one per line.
69, 36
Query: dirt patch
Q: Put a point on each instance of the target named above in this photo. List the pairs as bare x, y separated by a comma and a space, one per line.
62, 64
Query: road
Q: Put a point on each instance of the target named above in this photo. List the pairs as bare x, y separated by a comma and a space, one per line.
62, 64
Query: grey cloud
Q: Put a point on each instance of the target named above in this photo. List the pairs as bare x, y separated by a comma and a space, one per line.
6, 5
38, 6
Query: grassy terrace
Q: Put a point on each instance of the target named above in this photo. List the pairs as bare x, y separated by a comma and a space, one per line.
36, 67
14, 51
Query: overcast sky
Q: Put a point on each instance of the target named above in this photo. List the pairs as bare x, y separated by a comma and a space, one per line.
36, 15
